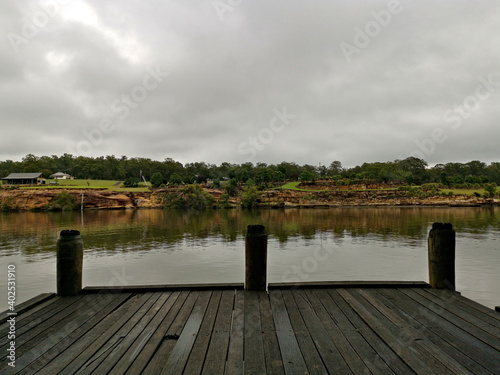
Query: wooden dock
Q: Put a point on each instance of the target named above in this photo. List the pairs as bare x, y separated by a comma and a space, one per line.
327, 328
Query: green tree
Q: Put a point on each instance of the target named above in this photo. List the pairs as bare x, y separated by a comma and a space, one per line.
191, 196
175, 179
224, 201
156, 179
491, 189
307, 176
63, 201
131, 182
250, 196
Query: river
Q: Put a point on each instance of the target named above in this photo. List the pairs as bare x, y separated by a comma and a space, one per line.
140, 247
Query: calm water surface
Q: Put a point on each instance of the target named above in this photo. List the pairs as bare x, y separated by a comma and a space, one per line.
139, 247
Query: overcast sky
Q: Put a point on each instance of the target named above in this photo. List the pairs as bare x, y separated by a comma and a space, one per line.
261, 81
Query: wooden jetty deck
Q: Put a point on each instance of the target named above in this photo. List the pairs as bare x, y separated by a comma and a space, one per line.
327, 328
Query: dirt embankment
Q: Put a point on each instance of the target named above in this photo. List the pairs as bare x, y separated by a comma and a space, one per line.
294, 198
28, 200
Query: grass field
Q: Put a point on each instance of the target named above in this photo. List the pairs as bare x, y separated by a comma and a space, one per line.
88, 184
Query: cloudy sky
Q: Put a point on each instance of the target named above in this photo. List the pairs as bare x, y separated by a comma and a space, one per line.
251, 80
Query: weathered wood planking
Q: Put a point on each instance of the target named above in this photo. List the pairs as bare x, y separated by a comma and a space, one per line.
312, 329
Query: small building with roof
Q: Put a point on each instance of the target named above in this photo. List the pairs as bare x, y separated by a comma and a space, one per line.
61, 176
36, 178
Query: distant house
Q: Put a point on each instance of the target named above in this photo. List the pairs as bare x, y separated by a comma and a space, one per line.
24, 179
61, 176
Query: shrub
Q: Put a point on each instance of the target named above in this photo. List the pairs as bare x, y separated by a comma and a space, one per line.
5, 205
131, 182
231, 187
491, 189
224, 201
156, 179
216, 183
191, 196
63, 201
175, 179
250, 197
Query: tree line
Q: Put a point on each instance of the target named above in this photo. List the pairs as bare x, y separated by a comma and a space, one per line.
412, 170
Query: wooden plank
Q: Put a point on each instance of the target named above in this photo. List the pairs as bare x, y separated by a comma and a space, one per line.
391, 337
160, 288
58, 363
417, 335
351, 357
484, 310
180, 353
134, 339
105, 341
66, 323
452, 302
326, 347
308, 350
474, 347
23, 318
45, 352
253, 346
197, 356
158, 361
428, 324
215, 359
350, 284
293, 360
274, 362
25, 306
234, 363
43, 322
150, 348
389, 356
413, 344
455, 319
27, 339
368, 355
144, 336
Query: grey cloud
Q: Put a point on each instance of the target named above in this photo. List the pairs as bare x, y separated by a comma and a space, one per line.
226, 77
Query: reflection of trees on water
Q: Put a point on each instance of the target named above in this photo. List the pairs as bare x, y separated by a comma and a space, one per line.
133, 230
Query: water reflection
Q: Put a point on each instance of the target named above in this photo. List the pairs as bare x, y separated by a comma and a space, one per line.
142, 230
157, 246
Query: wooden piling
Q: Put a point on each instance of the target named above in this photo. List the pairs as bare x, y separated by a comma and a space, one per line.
69, 263
441, 246
256, 258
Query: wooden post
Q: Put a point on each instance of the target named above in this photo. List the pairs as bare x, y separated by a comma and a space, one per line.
256, 258
69, 263
442, 256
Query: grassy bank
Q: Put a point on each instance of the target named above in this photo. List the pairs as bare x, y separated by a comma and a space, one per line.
88, 184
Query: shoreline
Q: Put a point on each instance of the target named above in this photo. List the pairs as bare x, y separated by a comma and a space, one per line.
40, 199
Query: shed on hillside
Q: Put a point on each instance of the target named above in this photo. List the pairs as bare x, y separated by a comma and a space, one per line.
36, 178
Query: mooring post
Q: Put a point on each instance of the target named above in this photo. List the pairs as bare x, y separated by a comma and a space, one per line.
256, 258
442, 256
69, 263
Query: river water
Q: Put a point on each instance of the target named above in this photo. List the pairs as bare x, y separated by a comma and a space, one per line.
140, 247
